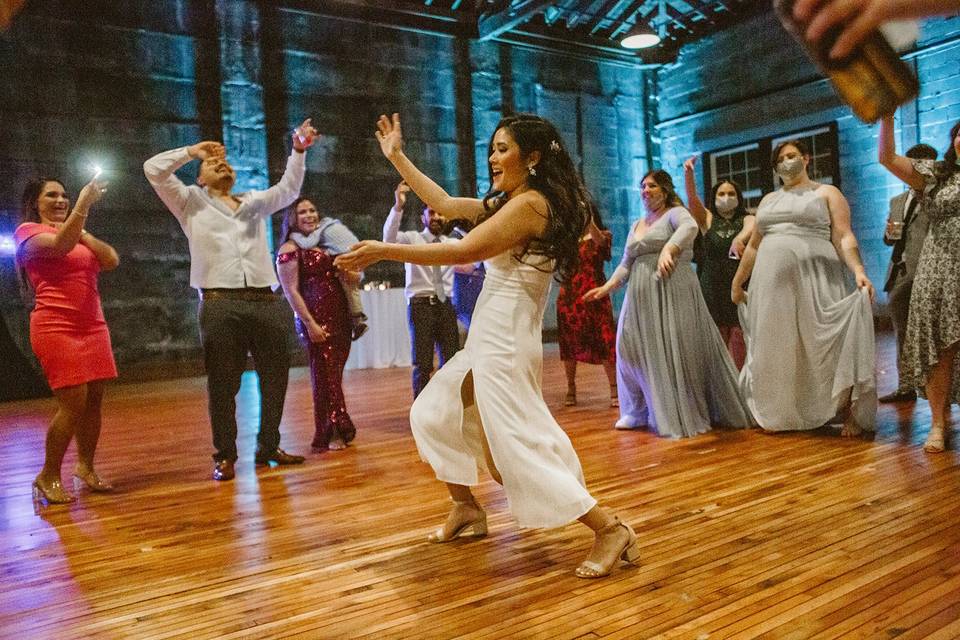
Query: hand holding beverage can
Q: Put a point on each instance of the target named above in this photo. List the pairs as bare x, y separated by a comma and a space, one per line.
873, 79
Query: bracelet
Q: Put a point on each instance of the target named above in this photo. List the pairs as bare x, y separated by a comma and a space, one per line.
77, 213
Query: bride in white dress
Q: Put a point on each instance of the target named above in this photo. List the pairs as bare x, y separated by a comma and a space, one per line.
485, 407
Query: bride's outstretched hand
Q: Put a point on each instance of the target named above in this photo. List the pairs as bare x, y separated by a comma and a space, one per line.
361, 255
597, 293
389, 135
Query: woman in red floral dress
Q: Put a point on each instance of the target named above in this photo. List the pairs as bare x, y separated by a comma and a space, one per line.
586, 330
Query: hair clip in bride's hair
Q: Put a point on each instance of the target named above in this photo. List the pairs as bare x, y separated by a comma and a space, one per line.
554, 145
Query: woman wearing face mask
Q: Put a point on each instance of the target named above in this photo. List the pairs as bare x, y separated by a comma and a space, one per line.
485, 405
809, 328
933, 326
673, 371
67, 330
725, 230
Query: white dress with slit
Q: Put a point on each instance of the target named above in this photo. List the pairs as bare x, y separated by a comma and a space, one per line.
539, 468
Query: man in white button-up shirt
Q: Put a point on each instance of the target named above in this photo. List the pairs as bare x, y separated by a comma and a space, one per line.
430, 313
232, 268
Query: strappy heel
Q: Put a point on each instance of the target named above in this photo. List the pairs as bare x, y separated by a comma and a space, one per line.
91, 480
46, 496
936, 440
570, 400
477, 527
628, 552
614, 397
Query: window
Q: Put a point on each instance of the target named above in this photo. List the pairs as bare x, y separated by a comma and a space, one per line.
749, 164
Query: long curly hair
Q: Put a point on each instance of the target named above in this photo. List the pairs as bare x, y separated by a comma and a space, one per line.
949, 165
557, 181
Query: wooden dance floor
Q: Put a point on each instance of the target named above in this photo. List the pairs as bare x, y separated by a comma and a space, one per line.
744, 535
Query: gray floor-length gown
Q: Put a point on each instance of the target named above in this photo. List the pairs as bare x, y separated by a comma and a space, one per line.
674, 372
809, 330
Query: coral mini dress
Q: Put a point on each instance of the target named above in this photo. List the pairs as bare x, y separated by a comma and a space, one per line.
68, 332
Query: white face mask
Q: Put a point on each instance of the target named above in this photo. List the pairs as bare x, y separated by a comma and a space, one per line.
790, 168
726, 204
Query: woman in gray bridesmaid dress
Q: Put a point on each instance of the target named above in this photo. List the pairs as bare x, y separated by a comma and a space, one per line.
674, 373
808, 326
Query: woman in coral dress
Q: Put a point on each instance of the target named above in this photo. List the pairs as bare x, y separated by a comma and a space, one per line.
68, 332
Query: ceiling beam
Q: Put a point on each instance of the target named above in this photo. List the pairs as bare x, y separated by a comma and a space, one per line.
499, 23
402, 15
594, 25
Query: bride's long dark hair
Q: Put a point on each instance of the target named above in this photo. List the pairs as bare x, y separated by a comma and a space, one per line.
557, 181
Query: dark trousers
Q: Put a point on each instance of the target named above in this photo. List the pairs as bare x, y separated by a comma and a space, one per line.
229, 329
433, 324
898, 301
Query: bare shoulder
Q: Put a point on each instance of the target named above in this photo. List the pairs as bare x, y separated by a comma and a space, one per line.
532, 199
287, 247
829, 191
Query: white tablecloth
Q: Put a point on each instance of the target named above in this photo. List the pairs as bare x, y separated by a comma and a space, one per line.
387, 342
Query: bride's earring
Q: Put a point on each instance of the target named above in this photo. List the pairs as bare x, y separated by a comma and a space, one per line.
532, 170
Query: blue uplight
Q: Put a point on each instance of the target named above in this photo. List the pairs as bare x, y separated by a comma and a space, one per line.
7, 246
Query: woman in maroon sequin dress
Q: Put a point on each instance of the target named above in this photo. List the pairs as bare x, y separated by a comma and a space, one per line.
586, 330
311, 285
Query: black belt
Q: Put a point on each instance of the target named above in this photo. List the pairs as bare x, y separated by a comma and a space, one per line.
431, 300
262, 294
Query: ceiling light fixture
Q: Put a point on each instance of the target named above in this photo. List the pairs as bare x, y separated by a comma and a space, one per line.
640, 37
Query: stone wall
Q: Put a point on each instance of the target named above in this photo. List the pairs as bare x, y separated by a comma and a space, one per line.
114, 83
753, 81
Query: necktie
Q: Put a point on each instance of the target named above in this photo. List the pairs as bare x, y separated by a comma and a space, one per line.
438, 280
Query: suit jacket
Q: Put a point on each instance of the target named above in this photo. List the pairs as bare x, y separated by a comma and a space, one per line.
914, 233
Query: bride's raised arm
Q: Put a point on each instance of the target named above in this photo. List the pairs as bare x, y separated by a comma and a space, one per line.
390, 137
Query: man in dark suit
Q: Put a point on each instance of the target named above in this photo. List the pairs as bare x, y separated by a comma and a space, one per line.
905, 232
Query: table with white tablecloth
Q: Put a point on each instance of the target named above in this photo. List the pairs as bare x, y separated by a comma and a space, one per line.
387, 342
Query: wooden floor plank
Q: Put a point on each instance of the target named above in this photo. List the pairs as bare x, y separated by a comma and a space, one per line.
743, 534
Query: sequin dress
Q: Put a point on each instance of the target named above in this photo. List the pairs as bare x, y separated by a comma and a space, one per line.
323, 294
715, 268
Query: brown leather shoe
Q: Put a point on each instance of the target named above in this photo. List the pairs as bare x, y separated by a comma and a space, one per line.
223, 470
279, 456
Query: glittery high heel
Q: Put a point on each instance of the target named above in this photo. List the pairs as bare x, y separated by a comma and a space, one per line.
54, 493
92, 481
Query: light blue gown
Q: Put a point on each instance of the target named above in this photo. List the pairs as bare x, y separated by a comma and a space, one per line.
809, 331
674, 372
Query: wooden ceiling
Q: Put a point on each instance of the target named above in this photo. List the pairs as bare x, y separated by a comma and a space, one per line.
584, 27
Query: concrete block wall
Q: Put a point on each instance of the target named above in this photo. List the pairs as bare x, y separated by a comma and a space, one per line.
752, 81
118, 82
